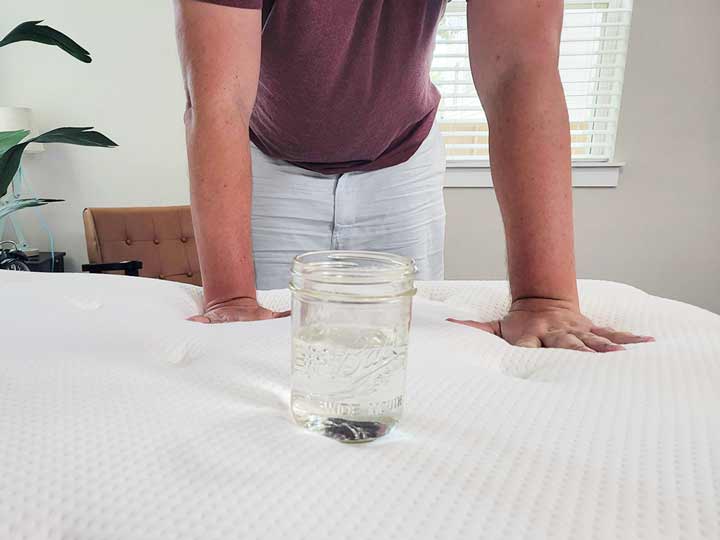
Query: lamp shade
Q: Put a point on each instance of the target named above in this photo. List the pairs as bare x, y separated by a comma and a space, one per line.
18, 118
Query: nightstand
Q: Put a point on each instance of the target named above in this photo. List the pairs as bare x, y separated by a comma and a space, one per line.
44, 262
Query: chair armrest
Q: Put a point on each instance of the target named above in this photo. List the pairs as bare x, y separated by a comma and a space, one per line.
131, 268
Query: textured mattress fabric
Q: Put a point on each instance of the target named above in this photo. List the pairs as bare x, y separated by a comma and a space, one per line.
120, 420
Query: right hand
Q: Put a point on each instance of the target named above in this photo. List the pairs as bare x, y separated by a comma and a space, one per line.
237, 310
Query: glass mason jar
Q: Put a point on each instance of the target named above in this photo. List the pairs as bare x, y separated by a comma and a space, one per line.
350, 322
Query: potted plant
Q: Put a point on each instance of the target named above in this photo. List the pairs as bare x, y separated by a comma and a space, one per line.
14, 143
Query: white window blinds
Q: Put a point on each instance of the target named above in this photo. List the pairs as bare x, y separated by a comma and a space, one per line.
592, 64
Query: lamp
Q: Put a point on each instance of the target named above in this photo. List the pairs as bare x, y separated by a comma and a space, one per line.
20, 118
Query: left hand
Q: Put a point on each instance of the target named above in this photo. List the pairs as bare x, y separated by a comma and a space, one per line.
541, 322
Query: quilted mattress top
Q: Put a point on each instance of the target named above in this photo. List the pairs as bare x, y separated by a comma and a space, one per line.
120, 420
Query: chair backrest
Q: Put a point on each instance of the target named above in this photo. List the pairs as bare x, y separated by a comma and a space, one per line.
161, 237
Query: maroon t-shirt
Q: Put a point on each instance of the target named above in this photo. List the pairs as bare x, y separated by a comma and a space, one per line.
344, 84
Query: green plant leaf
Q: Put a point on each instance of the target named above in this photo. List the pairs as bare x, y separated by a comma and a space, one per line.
19, 204
83, 136
38, 33
9, 164
9, 139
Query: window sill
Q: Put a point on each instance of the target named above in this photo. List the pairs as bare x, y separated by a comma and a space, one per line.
468, 174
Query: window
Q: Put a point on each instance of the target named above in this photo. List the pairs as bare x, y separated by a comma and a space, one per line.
592, 64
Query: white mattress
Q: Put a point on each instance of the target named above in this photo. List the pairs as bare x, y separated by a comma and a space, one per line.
119, 420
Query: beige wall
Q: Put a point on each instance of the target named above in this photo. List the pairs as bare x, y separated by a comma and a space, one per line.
659, 230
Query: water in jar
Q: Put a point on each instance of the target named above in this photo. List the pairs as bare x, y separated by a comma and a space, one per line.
349, 381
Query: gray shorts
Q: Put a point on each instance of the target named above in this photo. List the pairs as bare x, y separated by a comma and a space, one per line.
399, 209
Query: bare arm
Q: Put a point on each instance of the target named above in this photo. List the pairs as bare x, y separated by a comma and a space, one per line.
220, 55
514, 49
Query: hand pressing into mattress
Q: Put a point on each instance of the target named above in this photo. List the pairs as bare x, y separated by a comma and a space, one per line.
540, 322
237, 310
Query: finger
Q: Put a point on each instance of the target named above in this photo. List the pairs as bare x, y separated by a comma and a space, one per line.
528, 342
200, 319
620, 337
280, 314
563, 340
599, 343
490, 327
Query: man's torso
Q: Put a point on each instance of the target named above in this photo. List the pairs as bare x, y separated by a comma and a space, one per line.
344, 84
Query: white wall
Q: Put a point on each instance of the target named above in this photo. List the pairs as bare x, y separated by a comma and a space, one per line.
659, 230
132, 92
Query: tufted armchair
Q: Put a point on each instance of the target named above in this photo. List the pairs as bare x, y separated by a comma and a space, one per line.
156, 242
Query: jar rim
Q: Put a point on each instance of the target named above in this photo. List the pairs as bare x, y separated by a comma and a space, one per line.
352, 267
